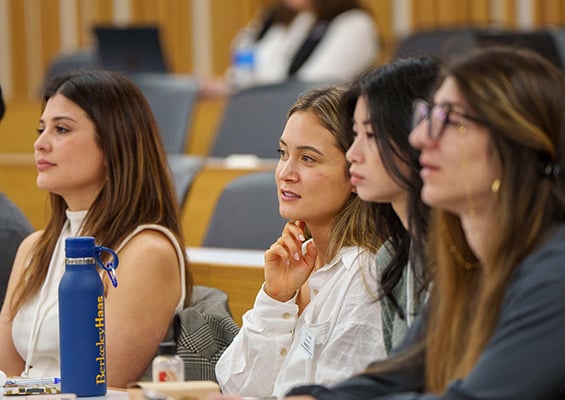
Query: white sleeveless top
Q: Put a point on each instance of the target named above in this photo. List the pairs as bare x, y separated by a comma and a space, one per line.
35, 328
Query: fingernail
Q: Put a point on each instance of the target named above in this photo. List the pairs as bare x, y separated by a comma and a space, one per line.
296, 256
301, 237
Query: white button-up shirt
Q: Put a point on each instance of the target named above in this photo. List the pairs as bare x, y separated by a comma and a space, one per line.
337, 335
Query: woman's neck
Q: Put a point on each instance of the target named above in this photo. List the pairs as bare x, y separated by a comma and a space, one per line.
321, 237
476, 228
400, 207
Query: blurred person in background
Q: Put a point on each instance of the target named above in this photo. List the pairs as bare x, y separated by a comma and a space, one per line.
310, 40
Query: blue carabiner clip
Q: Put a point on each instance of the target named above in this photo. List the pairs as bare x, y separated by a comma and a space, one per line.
111, 266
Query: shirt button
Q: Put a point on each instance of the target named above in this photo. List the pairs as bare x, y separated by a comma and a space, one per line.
315, 291
283, 352
286, 315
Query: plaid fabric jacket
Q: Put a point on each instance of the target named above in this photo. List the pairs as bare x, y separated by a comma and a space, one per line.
202, 332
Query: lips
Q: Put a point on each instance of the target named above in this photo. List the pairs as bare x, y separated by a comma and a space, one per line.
355, 179
43, 165
289, 195
427, 167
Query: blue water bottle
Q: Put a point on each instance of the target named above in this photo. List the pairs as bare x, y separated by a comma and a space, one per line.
82, 327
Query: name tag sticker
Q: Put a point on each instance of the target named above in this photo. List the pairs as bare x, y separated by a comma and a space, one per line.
308, 343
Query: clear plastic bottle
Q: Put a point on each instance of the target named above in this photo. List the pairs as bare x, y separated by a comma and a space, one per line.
167, 365
242, 72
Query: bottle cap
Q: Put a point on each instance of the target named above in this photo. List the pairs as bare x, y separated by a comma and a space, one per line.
79, 247
168, 348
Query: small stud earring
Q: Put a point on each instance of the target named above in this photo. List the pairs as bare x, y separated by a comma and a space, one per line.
495, 185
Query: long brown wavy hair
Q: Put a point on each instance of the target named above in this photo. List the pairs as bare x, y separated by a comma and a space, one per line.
519, 95
138, 188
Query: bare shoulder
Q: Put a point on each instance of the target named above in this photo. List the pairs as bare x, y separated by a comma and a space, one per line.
24, 250
30, 240
150, 240
150, 246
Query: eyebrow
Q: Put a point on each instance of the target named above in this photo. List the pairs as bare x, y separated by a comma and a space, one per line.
57, 119
454, 104
311, 148
366, 122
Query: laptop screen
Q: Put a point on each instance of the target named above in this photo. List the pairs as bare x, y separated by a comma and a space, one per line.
131, 50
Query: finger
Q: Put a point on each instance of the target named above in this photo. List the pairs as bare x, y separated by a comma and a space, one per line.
296, 229
292, 245
276, 254
310, 254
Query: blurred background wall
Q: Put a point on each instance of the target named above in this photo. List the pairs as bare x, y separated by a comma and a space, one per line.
196, 34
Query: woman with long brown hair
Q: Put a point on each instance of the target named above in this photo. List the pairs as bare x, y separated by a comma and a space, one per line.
99, 155
492, 142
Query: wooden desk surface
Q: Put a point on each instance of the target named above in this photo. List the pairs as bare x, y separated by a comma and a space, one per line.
239, 273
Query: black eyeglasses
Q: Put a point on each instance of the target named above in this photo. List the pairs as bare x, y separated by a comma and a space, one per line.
438, 116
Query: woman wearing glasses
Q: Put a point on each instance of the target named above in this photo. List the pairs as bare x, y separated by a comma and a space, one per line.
492, 153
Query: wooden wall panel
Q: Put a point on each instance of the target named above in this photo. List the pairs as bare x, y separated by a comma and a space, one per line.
18, 51
509, 18
549, 12
423, 14
226, 18
480, 12
383, 12
50, 38
179, 36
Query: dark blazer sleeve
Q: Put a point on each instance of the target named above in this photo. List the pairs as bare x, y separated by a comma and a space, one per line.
525, 358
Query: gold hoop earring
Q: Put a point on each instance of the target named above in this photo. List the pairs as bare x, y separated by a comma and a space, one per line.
495, 185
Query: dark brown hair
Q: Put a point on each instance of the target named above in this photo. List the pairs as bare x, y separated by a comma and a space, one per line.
138, 188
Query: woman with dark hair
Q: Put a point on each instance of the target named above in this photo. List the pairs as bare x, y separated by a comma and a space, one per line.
99, 155
315, 319
492, 141
385, 169
324, 41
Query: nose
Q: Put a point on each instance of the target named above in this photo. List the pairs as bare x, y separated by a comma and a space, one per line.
286, 170
41, 143
418, 137
353, 155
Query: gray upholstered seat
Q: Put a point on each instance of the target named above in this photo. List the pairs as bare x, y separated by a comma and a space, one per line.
254, 119
247, 214
171, 98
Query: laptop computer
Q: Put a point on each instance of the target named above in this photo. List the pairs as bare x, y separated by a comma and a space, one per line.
130, 49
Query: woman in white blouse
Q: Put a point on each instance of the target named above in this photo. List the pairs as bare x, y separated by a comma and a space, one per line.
315, 319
